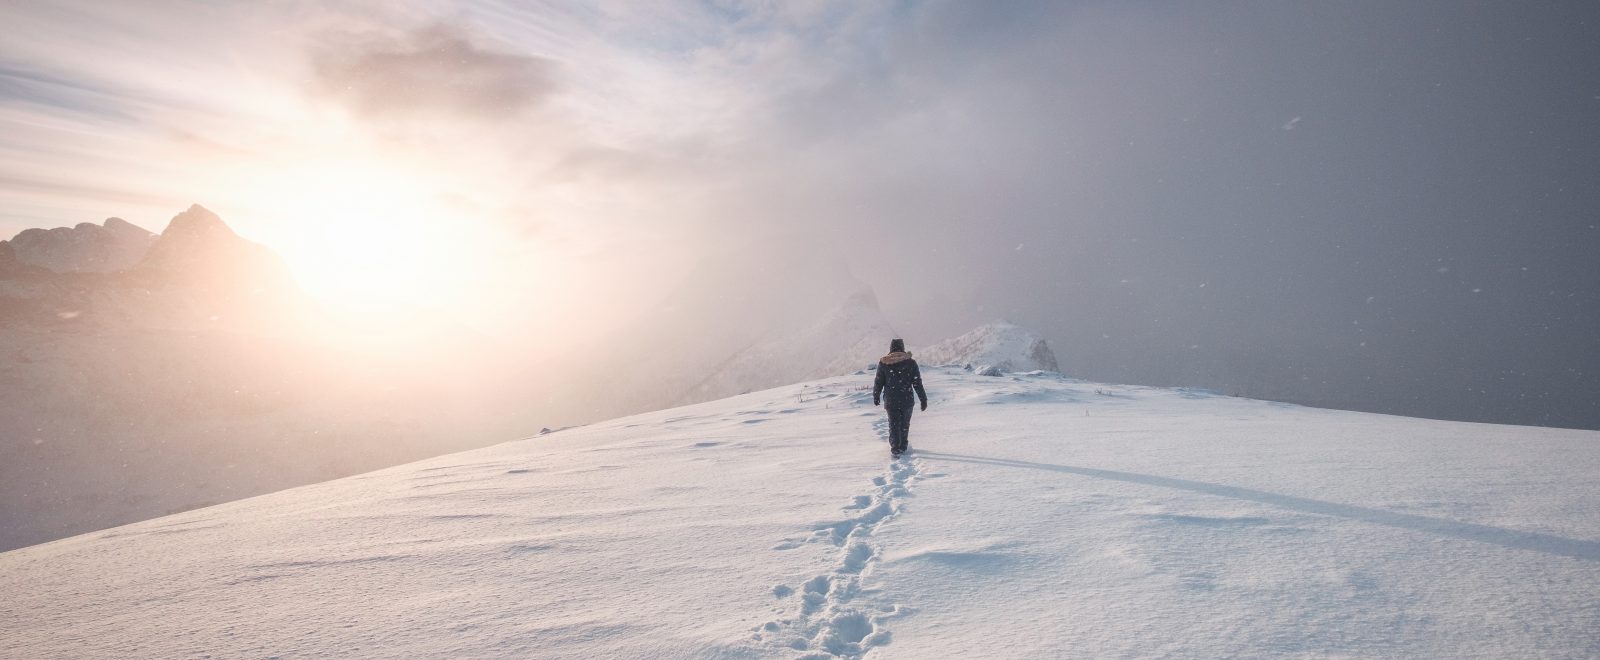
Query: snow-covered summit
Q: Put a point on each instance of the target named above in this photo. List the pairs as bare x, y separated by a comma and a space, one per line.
993, 348
1037, 516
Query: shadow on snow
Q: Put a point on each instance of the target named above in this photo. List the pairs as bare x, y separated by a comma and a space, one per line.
1510, 538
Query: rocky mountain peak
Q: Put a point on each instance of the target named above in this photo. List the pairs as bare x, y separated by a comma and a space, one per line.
197, 223
198, 249
196, 273
193, 235
84, 248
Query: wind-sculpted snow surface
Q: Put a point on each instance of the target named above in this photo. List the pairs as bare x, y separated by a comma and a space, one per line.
1036, 516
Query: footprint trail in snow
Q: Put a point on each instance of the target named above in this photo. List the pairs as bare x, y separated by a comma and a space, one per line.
820, 620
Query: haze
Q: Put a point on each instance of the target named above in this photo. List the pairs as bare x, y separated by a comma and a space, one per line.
1368, 205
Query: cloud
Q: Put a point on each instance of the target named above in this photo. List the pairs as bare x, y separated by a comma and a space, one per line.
1124, 145
42, 89
435, 71
24, 186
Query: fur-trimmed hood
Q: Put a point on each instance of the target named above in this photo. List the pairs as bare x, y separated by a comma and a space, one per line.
895, 357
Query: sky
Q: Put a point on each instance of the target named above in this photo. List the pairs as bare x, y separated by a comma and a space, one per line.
1372, 205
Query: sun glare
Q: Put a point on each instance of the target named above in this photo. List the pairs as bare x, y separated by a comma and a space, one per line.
365, 234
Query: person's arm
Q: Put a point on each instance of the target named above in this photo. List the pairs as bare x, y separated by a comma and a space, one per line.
877, 387
916, 382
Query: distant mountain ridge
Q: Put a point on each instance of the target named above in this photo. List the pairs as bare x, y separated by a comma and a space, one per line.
198, 374
196, 273
201, 373
86, 248
199, 243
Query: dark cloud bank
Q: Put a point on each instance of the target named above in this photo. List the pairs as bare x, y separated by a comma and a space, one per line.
436, 71
1388, 207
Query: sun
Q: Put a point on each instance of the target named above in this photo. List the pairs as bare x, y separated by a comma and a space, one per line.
361, 232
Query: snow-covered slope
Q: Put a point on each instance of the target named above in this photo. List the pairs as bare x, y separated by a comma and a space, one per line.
1037, 517
994, 348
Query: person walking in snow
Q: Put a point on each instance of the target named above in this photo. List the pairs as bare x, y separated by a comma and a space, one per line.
898, 377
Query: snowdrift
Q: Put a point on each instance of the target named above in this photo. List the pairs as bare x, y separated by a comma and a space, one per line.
1038, 516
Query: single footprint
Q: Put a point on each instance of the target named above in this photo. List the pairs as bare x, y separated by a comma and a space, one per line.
852, 626
856, 558
816, 594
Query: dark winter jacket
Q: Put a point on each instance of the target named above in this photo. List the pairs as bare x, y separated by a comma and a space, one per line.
898, 377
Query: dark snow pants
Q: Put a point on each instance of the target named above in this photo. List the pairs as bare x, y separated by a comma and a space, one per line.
899, 423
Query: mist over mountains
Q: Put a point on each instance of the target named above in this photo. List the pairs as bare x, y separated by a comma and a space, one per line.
146, 374
551, 329
194, 374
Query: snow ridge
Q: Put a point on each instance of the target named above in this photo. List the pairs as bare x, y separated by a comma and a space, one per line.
993, 349
826, 624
